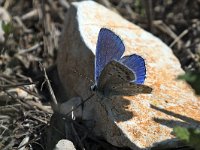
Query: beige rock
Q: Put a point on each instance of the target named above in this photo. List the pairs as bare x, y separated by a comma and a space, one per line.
64, 145
139, 122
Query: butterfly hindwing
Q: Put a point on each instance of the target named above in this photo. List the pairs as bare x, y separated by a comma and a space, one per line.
109, 47
126, 88
137, 64
114, 73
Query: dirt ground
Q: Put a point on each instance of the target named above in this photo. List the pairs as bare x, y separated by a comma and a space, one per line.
31, 43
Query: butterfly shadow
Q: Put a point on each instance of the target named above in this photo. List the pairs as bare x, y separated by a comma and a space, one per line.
174, 143
186, 121
119, 107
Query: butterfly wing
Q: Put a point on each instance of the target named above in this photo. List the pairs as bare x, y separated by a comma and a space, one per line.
114, 73
137, 64
127, 89
109, 47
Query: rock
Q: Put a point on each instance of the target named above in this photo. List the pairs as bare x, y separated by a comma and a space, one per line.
59, 129
64, 145
139, 122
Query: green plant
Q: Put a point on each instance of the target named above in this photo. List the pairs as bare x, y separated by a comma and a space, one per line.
189, 135
7, 27
193, 78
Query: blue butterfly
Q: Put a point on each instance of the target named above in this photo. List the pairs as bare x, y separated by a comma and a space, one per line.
115, 75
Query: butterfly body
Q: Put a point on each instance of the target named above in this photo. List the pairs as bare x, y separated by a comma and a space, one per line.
115, 75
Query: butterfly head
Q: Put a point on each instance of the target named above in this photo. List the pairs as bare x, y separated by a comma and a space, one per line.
93, 87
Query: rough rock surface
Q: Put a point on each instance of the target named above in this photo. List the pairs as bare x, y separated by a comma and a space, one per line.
64, 145
140, 121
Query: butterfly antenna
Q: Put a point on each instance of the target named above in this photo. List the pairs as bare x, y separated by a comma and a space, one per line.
80, 104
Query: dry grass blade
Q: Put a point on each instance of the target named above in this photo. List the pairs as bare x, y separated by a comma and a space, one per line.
34, 47
23, 143
164, 28
149, 12
5, 87
179, 37
49, 85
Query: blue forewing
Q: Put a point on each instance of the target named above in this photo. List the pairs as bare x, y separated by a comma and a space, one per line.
109, 47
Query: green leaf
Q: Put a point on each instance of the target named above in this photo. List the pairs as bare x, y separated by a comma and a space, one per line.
193, 78
182, 133
195, 138
190, 136
7, 27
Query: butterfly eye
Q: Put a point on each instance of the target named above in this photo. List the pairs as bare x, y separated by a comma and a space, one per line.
93, 87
